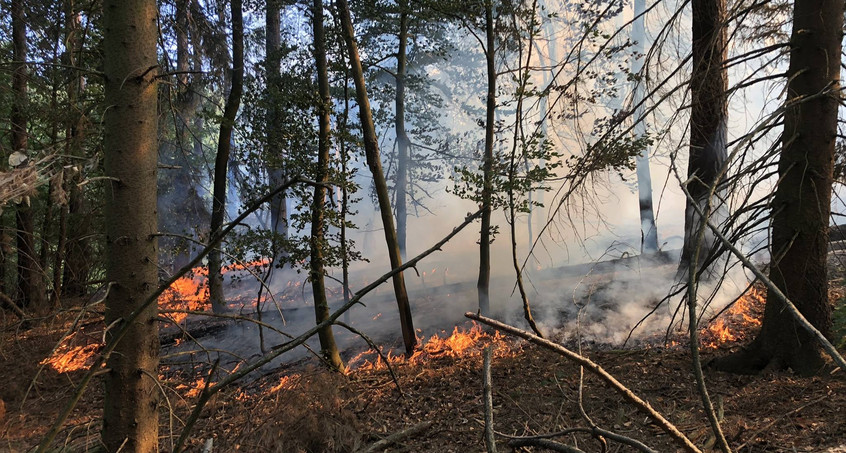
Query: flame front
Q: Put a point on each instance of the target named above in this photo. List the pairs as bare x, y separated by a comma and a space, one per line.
734, 322
461, 342
66, 359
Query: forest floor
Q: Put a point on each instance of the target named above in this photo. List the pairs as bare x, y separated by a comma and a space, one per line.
308, 409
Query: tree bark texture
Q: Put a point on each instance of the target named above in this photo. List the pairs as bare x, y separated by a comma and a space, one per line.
130, 417
371, 149
484, 282
801, 206
328, 348
224, 145
708, 124
30, 282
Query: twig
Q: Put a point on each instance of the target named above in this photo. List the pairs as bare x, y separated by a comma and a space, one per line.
396, 437
593, 431
591, 366
376, 348
777, 419
693, 326
545, 443
490, 442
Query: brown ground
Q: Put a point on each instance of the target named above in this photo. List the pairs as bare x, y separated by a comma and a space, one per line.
534, 392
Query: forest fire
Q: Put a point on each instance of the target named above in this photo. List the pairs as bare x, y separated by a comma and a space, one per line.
66, 359
461, 342
191, 292
735, 322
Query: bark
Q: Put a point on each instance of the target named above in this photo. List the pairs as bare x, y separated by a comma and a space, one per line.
328, 348
74, 133
30, 282
802, 201
75, 252
708, 129
276, 173
648, 229
484, 282
371, 149
130, 417
402, 136
224, 145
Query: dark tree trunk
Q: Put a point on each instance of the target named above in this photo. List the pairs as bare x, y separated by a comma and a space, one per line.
802, 201
708, 126
76, 252
30, 287
73, 139
224, 144
328, 348
484, 282
275, 171
130, 417
371, 149
402, 136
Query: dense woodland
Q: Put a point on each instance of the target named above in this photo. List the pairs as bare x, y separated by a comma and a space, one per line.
180, 181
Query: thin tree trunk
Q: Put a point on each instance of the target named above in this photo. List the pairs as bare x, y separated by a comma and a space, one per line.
484, 282
74, 249
371, 148
224, 145
708, 126
648, 229
402, 136
276, 173
801, 206
130, 418
30, 288
328, 348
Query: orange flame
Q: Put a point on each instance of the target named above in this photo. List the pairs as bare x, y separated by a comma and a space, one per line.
734, 322
66, 359
190, 292
461, 342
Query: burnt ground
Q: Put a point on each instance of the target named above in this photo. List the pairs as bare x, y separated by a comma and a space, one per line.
305, 408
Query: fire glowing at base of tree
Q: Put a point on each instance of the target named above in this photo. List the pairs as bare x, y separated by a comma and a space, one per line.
736, 322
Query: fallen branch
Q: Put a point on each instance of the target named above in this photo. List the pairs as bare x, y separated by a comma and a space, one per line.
490, 442
545, 443
593, 367
11, 304
595, 431
413, 430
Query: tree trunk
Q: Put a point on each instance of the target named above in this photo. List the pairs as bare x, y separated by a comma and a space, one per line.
484, 282
802, 201
402, 136
371, 149
224, 145
648, 229
130, 417
76, 250
276, 174
708, 129
30, 287
328, 348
